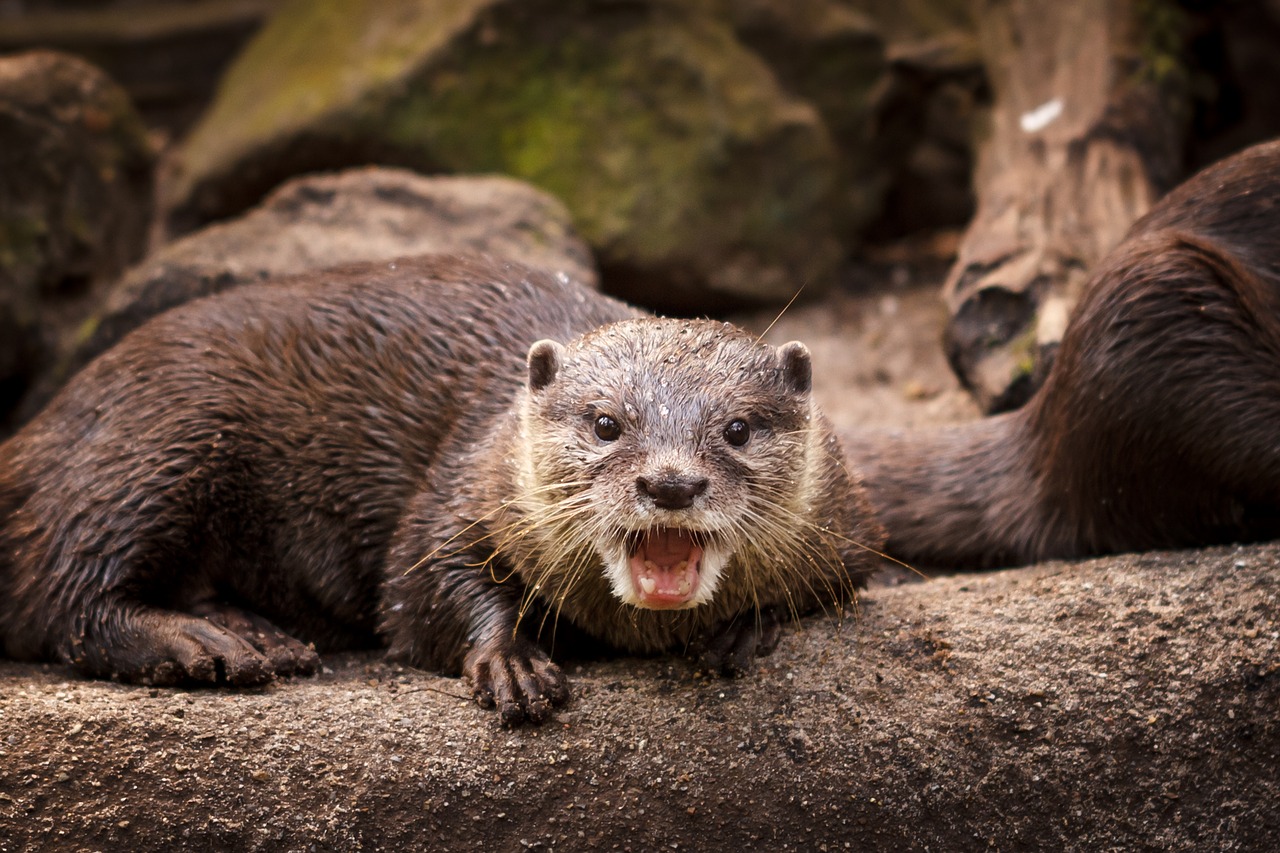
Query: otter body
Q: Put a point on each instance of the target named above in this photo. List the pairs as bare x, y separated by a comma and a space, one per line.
444, 455
1156, 426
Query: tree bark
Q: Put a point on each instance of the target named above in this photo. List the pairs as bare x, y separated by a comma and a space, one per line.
1085, 133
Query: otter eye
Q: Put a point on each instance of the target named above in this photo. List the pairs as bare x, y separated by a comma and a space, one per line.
607, 429
737, 432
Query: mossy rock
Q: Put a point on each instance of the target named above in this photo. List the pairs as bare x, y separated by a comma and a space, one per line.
832, 55
695, 177
75, 203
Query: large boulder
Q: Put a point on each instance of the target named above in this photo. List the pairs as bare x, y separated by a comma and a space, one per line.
167, 54
695, 176
1118, 704
75, 200
324, 220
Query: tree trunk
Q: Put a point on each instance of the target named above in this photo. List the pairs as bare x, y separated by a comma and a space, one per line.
1085, 133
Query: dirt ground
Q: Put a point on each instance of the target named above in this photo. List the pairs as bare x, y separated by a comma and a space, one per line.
1123, 703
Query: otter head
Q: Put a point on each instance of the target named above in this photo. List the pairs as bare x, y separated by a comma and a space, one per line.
667, 450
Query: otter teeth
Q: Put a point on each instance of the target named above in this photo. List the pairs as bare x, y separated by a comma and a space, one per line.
649, 585
662, 570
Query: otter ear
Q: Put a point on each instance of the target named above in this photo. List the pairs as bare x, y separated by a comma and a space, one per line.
544, 363
797, 368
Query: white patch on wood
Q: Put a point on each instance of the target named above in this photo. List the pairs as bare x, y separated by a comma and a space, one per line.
1041, 117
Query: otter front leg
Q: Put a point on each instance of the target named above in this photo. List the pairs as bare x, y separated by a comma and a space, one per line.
456, 617
285, 654
516, 677
134, 642
731, 647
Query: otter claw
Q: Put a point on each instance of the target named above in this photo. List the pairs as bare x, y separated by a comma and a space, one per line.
522, 684
733, 647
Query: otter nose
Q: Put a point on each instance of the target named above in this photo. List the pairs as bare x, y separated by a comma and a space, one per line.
673, 491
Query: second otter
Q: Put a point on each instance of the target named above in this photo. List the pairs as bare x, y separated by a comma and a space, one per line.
380, 452
1156, 425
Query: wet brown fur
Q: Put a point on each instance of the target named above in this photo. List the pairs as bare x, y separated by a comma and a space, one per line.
333, 455
1156, 426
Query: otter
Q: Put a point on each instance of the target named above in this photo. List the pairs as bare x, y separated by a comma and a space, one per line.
1156, 425
447, 455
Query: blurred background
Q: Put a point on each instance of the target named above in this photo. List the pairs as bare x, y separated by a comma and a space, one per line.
934, 178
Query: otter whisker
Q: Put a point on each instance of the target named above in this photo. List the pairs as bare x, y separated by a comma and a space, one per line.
502, 507
785, 309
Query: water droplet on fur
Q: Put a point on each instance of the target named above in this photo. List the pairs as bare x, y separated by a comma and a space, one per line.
662, 410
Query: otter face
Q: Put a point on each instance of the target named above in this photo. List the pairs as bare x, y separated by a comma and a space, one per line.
666, 450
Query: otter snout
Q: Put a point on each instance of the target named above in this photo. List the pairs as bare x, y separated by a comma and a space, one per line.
672, 491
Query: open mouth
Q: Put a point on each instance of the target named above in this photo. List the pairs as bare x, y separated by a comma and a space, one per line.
664, 566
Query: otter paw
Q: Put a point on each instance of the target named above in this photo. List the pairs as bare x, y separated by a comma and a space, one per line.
732, 647
165, 648
518, 679
286, 655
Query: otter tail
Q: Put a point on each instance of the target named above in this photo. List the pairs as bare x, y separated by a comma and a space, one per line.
961, 496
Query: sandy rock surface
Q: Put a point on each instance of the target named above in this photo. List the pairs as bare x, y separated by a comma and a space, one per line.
1115, 704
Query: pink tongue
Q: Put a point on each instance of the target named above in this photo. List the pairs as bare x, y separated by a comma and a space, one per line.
667, 547
664, 568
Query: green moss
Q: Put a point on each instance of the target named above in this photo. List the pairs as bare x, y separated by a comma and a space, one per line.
652, 136
22, 240
1025, 350
315, 58
667, 140
86, 330
1162, 27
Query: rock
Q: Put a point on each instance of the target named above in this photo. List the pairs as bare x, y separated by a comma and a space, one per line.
167, 55
1117, 704
693, 175
900, 85
75, 200
324, 220
936, 97
831, 55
